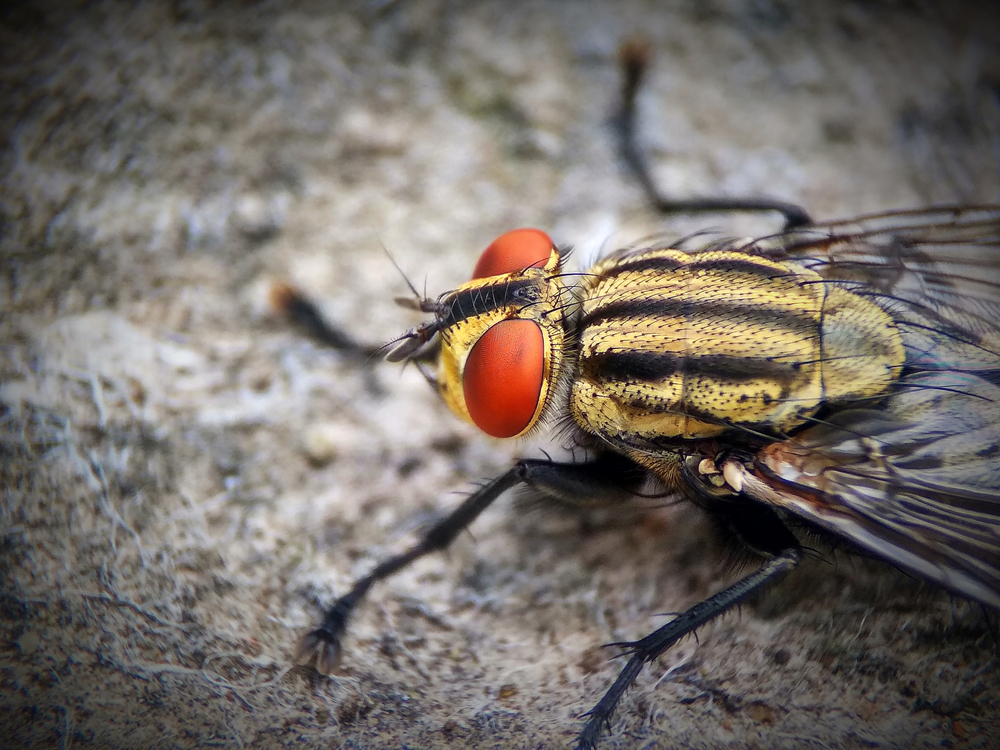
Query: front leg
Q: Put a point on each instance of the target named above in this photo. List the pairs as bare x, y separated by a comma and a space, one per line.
604, 480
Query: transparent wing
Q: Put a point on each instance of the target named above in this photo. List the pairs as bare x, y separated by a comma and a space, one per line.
937, 271
917, 479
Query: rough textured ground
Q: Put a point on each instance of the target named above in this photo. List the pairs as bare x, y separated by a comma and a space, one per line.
185, 479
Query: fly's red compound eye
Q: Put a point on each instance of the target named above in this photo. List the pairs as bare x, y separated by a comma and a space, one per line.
503, 375
514, 251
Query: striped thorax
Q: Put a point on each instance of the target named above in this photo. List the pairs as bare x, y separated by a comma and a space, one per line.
677, 345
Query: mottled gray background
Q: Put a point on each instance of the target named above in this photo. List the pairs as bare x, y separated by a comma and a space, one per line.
185, 478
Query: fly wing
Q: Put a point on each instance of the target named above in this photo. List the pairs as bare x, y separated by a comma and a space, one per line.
917, 479
936, 270
917, 483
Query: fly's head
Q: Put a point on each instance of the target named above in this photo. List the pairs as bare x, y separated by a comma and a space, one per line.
503, 336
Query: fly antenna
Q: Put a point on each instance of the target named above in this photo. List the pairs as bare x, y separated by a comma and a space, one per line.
419, 302
409, 284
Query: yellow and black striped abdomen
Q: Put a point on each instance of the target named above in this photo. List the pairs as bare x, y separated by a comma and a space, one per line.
673, 345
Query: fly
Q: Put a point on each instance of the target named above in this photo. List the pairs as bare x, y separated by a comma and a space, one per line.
844, 376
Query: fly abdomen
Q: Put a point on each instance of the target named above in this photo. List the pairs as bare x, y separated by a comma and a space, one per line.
673, 345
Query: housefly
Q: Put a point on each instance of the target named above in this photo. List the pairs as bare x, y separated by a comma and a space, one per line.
841, 376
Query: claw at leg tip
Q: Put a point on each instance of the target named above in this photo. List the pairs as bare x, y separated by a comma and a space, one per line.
317, 644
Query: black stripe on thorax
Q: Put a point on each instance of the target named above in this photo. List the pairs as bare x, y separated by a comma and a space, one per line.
641, 263
632, 366
747, 265
692, 309
469, 303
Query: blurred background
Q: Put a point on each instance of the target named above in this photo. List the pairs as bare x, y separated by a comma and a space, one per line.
187, 480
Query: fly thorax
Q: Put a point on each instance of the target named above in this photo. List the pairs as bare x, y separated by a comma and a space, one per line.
686, 346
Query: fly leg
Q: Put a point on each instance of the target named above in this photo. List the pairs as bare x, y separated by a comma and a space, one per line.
647, 649
308, 319
761, 530
634, 57
598, 478
324, 642
609, 479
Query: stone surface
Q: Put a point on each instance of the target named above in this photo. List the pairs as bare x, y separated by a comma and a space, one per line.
168, 533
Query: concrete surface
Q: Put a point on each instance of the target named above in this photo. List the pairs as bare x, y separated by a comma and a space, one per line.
186, 479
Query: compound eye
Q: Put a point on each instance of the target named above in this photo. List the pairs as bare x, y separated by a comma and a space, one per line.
514, 251
502, 380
